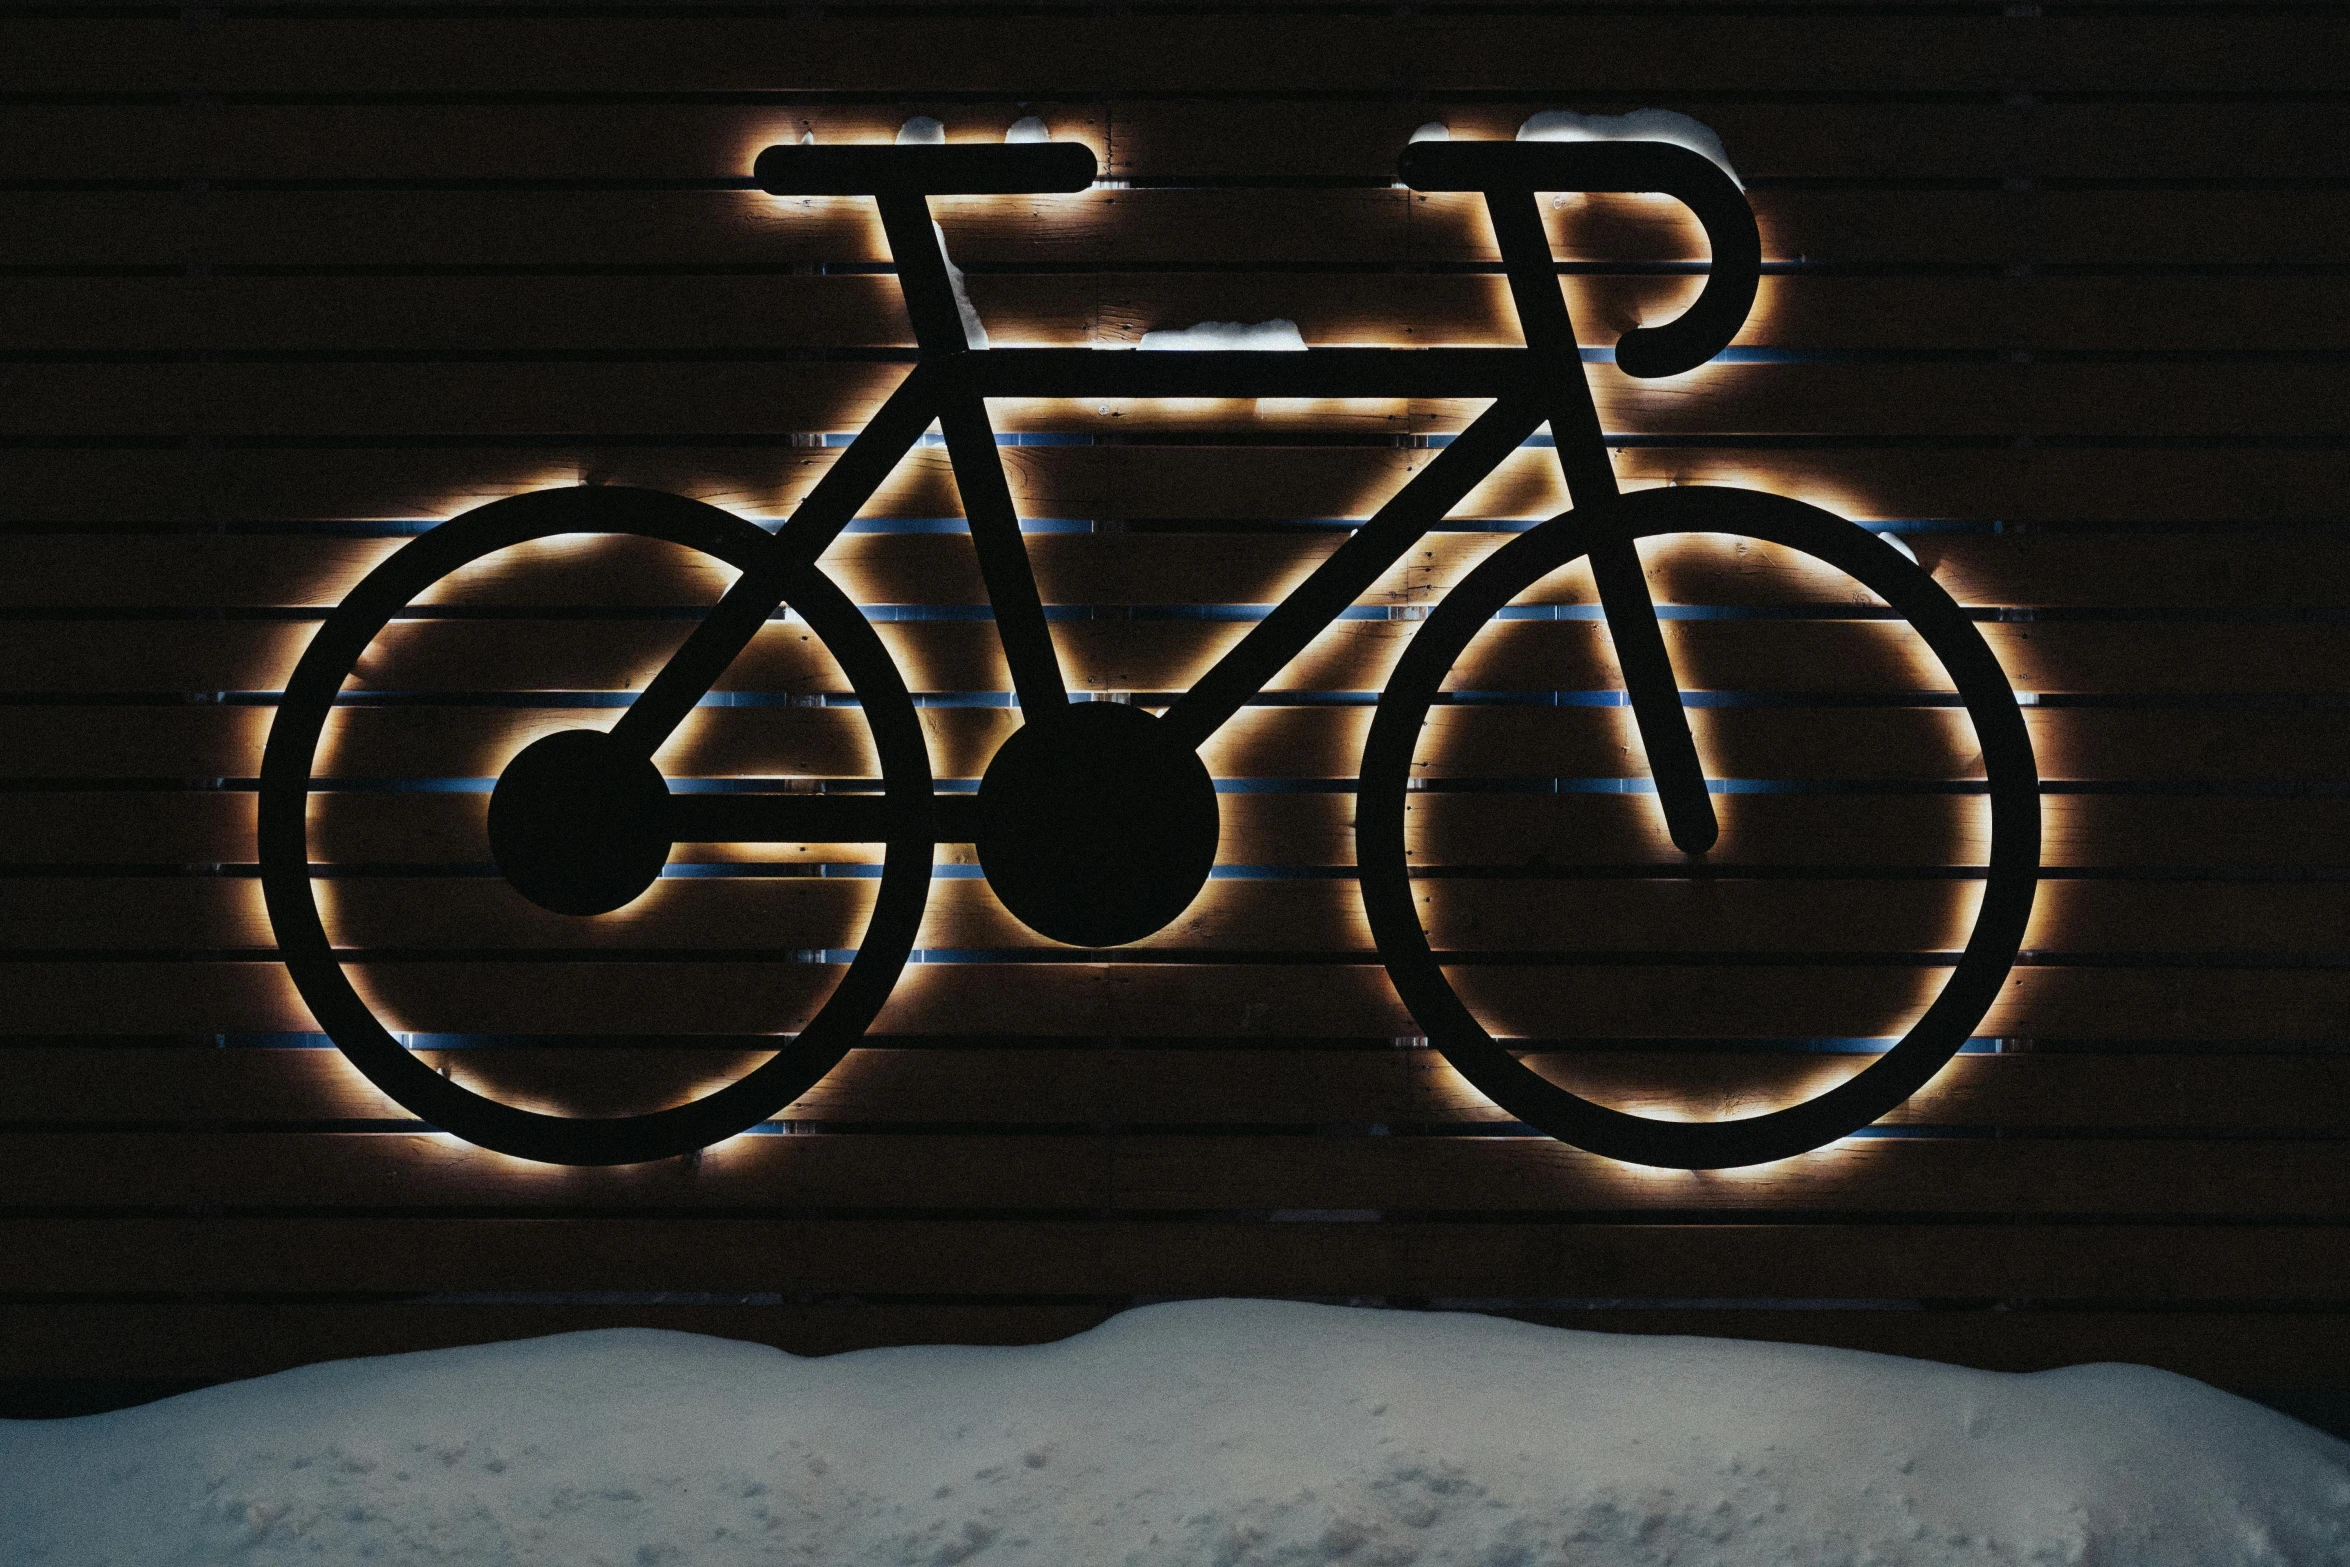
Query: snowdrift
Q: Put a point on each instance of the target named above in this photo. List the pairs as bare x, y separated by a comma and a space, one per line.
1225, 1432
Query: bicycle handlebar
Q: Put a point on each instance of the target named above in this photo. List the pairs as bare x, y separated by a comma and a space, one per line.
1697, 182
965, 169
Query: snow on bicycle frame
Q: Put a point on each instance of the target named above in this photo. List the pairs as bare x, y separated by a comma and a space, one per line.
1096, 823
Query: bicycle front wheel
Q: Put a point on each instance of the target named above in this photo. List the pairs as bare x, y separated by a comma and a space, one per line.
1420, 972
291, 783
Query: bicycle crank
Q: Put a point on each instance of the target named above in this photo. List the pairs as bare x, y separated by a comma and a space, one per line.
1096, 827
579, 825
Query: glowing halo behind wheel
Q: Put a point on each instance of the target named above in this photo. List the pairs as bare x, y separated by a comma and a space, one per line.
2011, 877
300, 929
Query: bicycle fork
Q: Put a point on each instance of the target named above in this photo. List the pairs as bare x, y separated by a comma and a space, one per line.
1624, 600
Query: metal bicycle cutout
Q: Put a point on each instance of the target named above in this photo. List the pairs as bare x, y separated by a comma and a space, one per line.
1096, 823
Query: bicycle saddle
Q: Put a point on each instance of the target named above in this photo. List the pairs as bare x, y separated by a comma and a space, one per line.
963, 169
1519, 168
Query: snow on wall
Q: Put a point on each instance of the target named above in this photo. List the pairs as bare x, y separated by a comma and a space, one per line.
1639, 125
1274, 335
974, 329
923, 131
1240, 1433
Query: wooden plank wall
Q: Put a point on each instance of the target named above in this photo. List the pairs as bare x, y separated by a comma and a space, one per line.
2055, 292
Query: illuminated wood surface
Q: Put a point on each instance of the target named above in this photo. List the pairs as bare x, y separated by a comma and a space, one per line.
1355, 657
2059, 296
56, 741
244, 228
139, 826
1493, 910
776, 312
410, 476
2276, 569
273, 402
2292, 1006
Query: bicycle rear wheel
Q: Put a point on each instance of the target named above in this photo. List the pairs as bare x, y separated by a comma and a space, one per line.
2011, 875
288, 777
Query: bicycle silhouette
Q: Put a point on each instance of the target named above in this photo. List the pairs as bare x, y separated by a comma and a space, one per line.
1096, 823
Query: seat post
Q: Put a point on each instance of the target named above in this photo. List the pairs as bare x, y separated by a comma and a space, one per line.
922, 272
971, 449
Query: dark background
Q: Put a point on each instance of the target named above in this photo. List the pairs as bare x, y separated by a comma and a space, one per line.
2056, 292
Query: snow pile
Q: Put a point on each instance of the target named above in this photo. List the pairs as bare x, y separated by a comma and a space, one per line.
922, 131
1230, 1432
1028, 128
1260, 335
1639, 125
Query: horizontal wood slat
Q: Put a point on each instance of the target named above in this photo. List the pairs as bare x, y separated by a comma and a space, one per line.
1873, 656
1018, 55
482, 912
2299, 1181
2275, 569
423, 478
476, 401
347, 1169
2284, 1006
1873, 1175
1150, 137
1240, 227
663, 313
2251, 1350
2077, 831
2177, 1263
1475, 741
98, 1086
134, 827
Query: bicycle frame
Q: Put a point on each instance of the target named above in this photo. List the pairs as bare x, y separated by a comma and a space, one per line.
1097, 824
1541, 382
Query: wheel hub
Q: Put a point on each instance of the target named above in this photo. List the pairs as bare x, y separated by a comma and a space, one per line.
1096, 827
578, 825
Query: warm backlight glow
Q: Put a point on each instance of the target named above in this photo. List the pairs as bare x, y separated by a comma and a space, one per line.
1578, 743
1458, 1094
1675, 1187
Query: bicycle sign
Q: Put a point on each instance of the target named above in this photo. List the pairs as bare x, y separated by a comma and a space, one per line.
1096, 823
